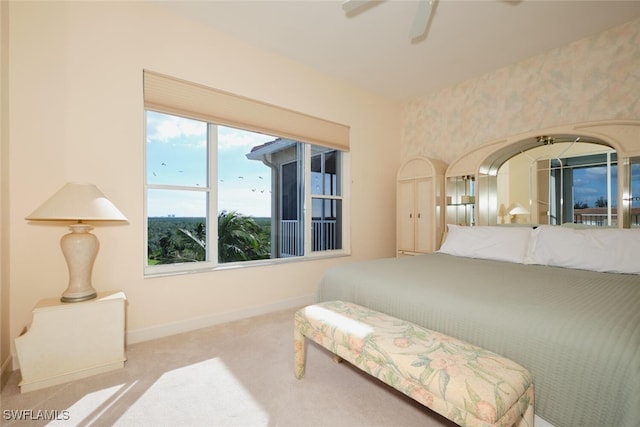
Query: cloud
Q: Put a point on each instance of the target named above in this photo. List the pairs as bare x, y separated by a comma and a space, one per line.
230, 138
167, 128
591, 191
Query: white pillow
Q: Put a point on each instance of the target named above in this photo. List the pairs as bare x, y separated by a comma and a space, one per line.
611, 250
487, 242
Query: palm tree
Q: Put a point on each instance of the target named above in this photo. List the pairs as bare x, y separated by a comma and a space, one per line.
601, 202
191, 252
240, 238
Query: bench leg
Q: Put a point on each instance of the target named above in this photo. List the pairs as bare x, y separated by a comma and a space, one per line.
298, 353
528, 416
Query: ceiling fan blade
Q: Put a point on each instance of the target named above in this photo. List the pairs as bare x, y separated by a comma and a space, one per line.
348, 6
421, 20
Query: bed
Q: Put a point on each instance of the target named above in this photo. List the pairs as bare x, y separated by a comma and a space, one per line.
562, 302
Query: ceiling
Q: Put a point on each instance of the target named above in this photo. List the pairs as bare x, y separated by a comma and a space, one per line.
371, 49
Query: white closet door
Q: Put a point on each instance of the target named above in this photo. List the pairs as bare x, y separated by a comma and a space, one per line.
406, 230
424, 215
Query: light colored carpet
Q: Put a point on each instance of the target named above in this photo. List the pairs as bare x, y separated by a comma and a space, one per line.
234, 374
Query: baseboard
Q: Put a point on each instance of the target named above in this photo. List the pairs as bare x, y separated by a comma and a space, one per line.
5, 371
43, 382
168, 329
539, 422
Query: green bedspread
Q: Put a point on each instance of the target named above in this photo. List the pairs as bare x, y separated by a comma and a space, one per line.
578, 332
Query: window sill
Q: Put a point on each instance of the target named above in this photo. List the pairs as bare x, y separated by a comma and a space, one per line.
159, 271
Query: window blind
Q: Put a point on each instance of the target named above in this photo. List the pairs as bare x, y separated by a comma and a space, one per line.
175, 96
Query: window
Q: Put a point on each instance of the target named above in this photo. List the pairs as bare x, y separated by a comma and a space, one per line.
177, 189
218, 194
583, 189
633, 195
326, 200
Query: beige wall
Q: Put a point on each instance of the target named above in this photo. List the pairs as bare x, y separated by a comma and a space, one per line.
596, 78
5, 342
77, 115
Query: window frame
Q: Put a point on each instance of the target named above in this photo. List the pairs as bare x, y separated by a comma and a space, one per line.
561, 191
630, 193
323, 196
211, 263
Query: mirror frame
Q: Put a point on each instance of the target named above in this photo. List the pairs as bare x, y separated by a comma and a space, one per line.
484, 161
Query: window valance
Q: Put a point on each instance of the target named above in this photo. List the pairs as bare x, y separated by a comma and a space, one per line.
180, 97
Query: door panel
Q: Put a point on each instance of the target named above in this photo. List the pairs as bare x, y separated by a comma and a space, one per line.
423, 216
405, 216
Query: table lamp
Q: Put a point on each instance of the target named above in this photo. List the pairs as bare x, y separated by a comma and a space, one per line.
78, 202
517, 211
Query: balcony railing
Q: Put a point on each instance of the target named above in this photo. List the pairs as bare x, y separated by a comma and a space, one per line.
599, 217
323, 237
596, 219
291, 243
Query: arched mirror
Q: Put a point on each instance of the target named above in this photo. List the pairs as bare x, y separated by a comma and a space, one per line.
564, 180
583, 173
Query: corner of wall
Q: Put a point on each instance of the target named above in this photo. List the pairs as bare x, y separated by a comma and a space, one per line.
5, 342
5, 371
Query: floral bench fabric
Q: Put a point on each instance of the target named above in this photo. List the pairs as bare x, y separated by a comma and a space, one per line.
467, 384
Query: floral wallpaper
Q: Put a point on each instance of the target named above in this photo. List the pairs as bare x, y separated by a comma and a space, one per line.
595, 78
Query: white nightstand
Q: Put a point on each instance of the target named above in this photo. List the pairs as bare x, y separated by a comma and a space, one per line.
68, 341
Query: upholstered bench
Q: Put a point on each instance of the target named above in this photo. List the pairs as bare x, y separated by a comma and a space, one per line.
467, 384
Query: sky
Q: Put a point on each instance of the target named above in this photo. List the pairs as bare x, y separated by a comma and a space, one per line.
177, 155
591, 183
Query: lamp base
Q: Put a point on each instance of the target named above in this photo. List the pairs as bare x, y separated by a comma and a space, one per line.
79, 298
80, 248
